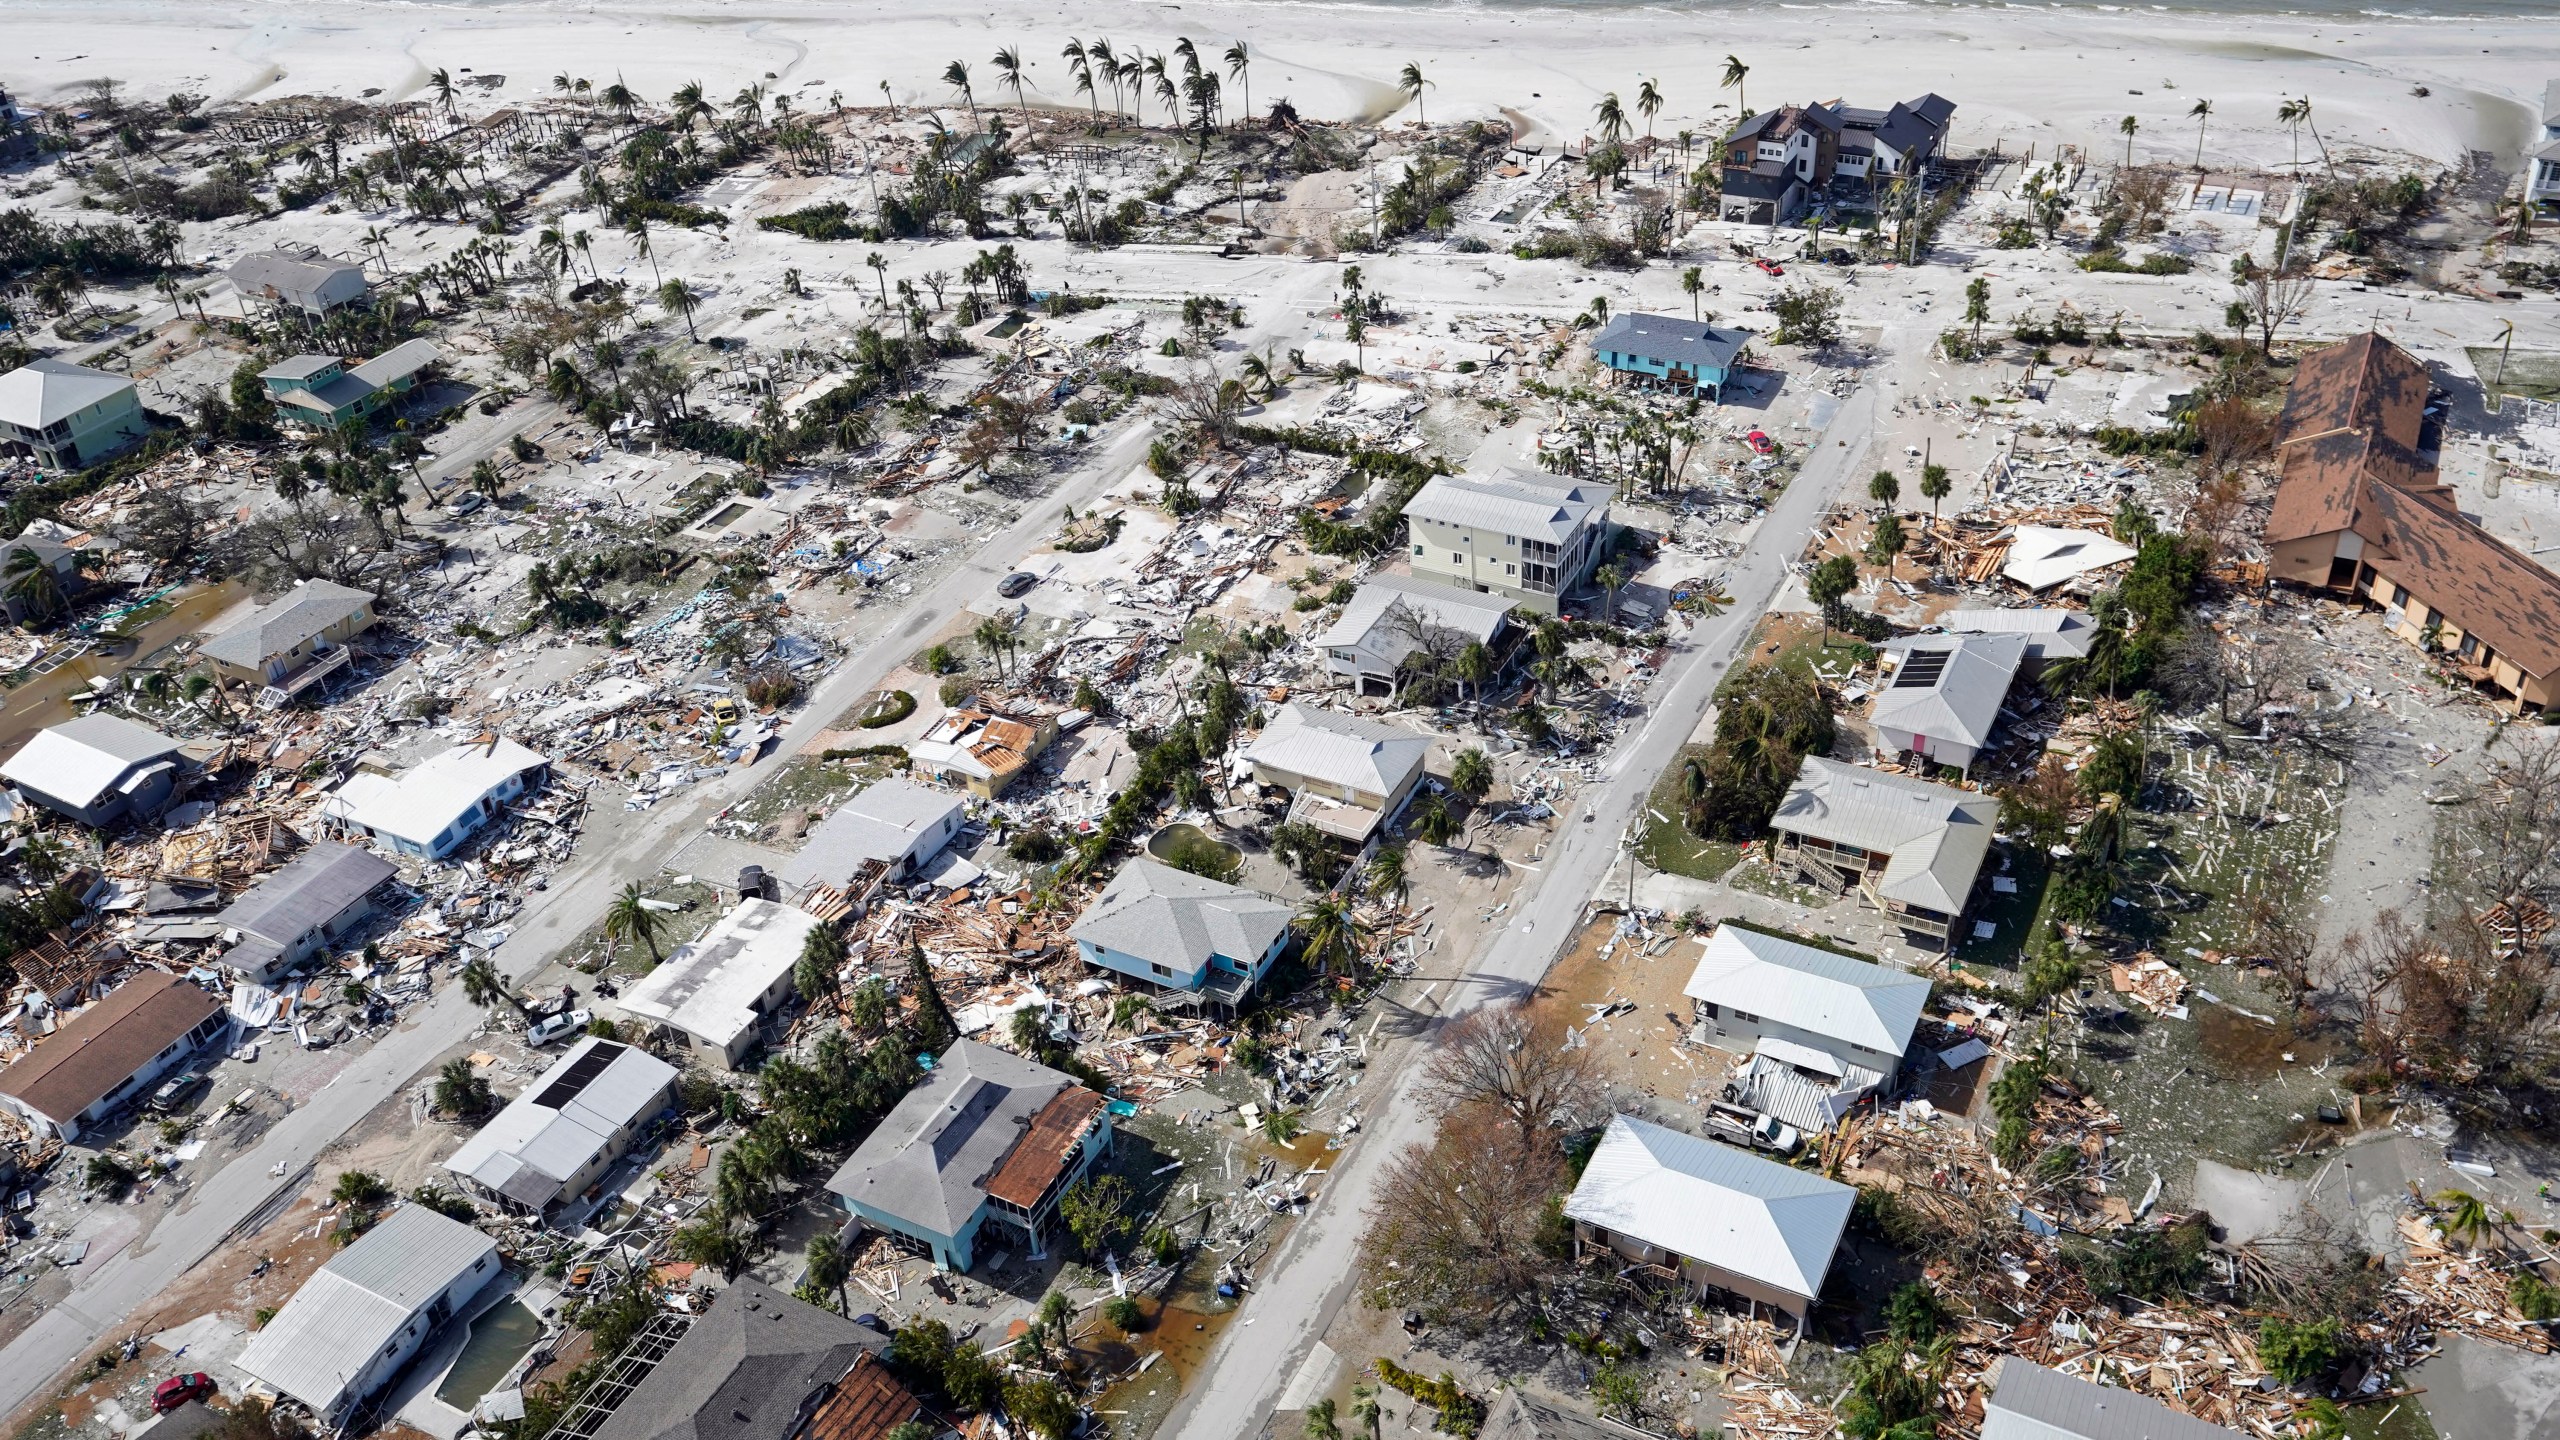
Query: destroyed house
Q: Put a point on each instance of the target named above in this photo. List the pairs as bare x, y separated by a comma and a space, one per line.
97, 770
1528, 537
1722, 1222
300, 279
2042, 557
1909, 848
60, 560
1516, 1416
105, 1057
720, 991
557, 1139
292, 642
976, 1156
1183, 933
436, 806
1392, 617
895, 824
2359, 512
2030, 1402
981, 751
1665, 350
322, 392
1942, 699
1346, 776
363, 1316
763, 1365
325, 892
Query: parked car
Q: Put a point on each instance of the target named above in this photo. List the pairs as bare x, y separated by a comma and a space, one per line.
1767, 266
1738, 1125
554, 1027
177, 1091
1017, 584
1760, 442
1838, 256
177, 1390
470, 500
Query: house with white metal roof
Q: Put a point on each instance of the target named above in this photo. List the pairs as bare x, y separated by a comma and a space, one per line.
1347, 775
1907, 847
325, 892
434, 807
1520, 534
1943, 697
97, 769
301, 279
68, 416
352, 1326
293, 642
1750, 984
1184, 933
1391, 617
1722, 1220
2052, 632
719, 991
550, 1144
2030, 1402
894, 823
2041, 557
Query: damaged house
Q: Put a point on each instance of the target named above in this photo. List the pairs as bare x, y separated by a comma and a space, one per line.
1906, 847
719, 992
1393, 617
107, 1055
439, 804
293, 642
981, 751
1175, 931
327, 890
97, 770
1346, 776
1822, 1030
557, 1139
1943, 698
894, 824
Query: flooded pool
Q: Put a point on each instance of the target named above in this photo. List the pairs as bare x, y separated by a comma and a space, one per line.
1174, 841
499, 1338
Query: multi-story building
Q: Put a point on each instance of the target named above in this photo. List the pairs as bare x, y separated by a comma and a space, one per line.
1526, 536
1668, 352
1779, 161
2542, 161
68, 416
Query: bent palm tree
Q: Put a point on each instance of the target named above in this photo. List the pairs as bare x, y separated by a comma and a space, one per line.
1239, 68
31, 585
956, 75
1009, 66
1734, 71
682, 299
2200, 112
628, 918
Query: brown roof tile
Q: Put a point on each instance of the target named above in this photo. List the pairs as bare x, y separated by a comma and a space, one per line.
1042, 1152
866, 1404
2366, 384
102, 1046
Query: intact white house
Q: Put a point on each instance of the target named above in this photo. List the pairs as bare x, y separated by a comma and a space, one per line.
541, 1153
719, 991
2542, 157
1942, 702
352, 1326
69, 417
97, 769
895, 823
434, 807
1393, 616
1346, 775
1528, 537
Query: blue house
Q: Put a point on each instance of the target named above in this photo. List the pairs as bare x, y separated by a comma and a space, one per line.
1667, 350
978, 1154
1183, 933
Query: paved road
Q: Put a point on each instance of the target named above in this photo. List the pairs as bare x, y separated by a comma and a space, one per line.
1311, 1277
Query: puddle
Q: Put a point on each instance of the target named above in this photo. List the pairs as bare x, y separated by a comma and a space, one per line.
499, 1338
2241, 1048
46, 700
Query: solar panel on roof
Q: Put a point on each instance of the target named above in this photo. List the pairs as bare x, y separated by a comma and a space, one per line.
1921, 669
581, 1073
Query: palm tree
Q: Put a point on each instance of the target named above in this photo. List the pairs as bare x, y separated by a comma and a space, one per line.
2466, 1217
1433, 824
1470, 773
1320, 1424
31, 585
1412, 84
956, 75
442, 84
1334, 936
2291, 114
681, 299
1386, 869
1693, 283
481, 984
2126, 127
818, 974
1648, 104
1612, 118
689, 105
880, 269
2302, 108
629, 918
1365, 1409
1239, 68
1106, 64
1612, 578
1475, 666
1009, 66
1356, 330
2200, 112
1734, 71
1080, 65
829, 1266
1934, 487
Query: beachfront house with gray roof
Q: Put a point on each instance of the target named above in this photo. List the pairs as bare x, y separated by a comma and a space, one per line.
327, 891
1731, 1226
2052, 633
1525, 536
895, 824
1909, 848
1345, 774
1183, 933
363, 1316
1665, 351
69, 417
1942, 699
1779, 162
293, 642
97, 769
322, 392
976, 1157
2030, 1402
298, 278
1391, 618
719, 992
541, 1154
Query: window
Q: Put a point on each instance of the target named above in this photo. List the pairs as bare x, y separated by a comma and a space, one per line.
1457, 559
1165, 970
1746, 1017
1417, 547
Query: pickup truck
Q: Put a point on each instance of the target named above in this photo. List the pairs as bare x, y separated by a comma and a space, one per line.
1736, 1125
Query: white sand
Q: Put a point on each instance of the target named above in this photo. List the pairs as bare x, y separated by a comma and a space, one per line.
2020, 76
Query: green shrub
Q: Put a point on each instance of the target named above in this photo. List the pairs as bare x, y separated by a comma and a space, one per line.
830, 221
2299, 1353
2533, 1298
888, 710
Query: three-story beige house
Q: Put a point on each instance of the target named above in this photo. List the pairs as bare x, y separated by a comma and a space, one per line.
1528, 537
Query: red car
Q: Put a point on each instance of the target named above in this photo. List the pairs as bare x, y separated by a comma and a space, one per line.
1767, 266
1760, 443
177, 1390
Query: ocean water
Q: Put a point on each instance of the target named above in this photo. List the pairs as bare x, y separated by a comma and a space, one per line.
2324, 11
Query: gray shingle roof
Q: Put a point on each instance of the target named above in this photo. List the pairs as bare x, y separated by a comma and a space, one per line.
1937, 836
1178, 920
1371, 621
309, 279
404, 359
1962, 700
1671, 339
275, 628
1868, 1005
752, 1368
319, 886
928, 1163
1713, 1203
2033, 1403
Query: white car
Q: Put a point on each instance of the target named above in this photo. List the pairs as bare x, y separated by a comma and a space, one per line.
557, 1026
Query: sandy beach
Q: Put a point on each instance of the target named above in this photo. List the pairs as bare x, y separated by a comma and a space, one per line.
2021, 76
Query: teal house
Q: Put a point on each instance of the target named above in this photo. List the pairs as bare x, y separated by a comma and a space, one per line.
1183, 933
1665, 350
976, 1158
321, 392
